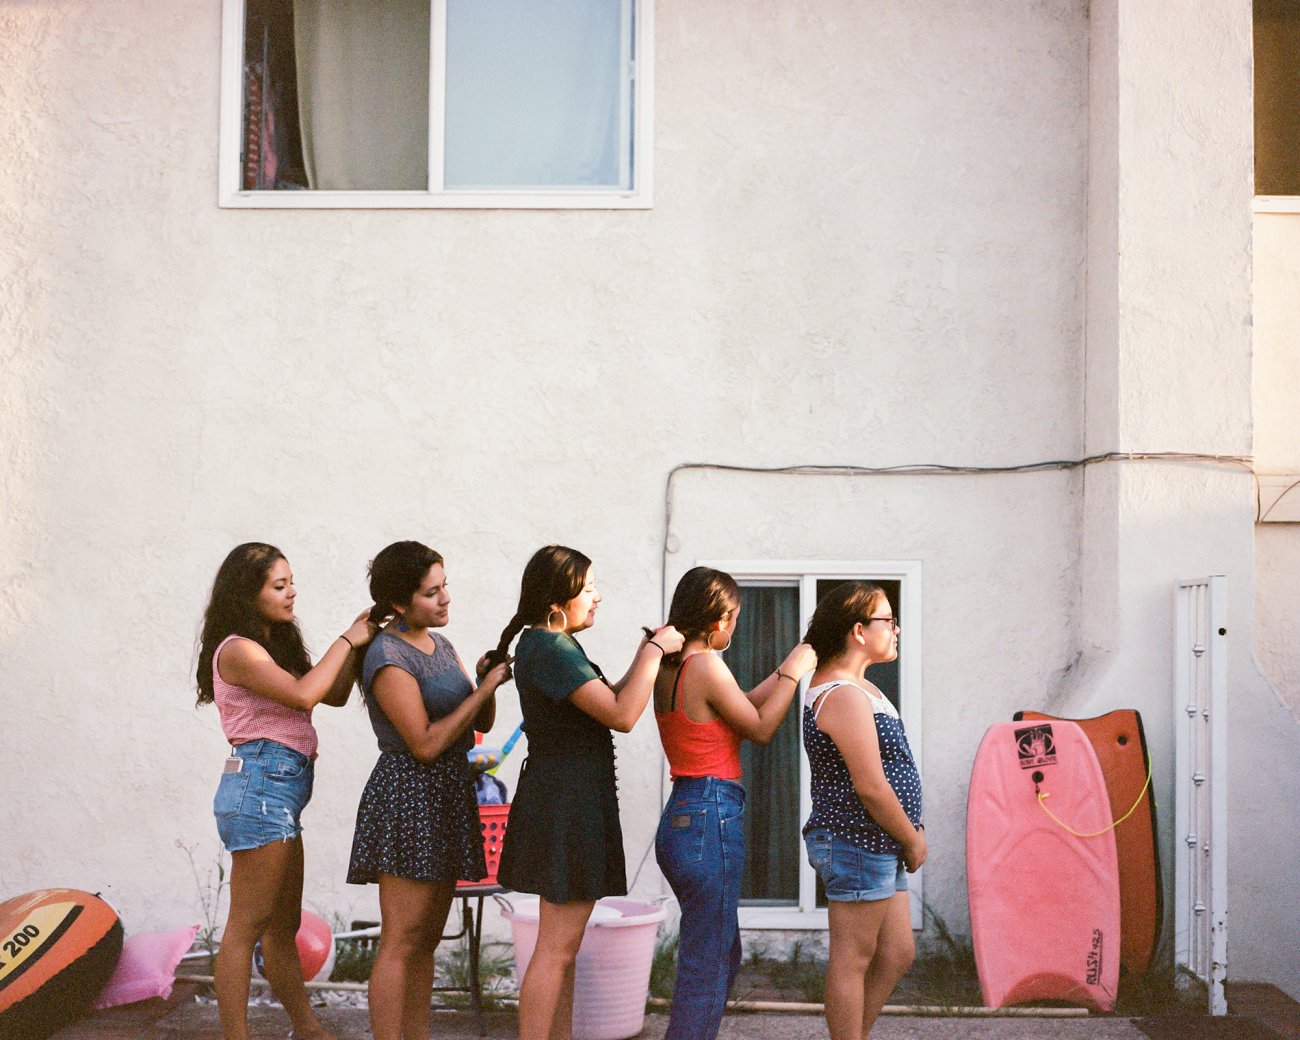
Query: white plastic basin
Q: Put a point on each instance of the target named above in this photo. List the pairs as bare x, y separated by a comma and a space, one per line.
612, 976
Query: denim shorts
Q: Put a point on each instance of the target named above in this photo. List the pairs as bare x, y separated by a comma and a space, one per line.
264, 801
851, 874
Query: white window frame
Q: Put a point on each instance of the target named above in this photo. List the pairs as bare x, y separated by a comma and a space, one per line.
805, 574
639, 196
1277, 204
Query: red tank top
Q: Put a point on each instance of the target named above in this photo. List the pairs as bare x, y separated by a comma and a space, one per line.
697, 748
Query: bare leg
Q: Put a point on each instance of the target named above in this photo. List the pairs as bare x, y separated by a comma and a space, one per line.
546, 996
895, 951
854, 931
280, 961
264, 884
562, 1024
401, 984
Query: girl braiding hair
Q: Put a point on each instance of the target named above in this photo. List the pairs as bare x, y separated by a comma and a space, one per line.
703, 715
253, 666
555, 574
565, 842
417, 832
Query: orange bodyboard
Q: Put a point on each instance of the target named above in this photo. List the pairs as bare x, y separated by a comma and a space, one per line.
1121, 748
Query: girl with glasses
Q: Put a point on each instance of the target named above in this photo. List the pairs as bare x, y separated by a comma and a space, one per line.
865, 833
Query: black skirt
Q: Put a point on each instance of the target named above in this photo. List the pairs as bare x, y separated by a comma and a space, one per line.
564, 841
418, 821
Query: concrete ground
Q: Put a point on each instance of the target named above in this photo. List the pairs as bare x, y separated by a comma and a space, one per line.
1258, 1013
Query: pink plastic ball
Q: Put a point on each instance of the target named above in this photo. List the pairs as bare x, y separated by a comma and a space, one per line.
315, 944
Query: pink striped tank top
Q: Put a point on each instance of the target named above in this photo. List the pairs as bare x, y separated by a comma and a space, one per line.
246, 715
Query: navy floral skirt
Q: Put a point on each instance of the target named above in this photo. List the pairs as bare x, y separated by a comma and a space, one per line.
418, 821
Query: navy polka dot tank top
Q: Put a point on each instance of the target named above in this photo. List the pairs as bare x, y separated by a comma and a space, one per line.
835, 804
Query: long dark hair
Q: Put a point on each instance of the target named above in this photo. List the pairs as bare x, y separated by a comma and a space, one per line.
703, 597
395, 576
836, 614
555, 574
232, 611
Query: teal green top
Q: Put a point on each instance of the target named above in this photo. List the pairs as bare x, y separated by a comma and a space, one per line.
548, 667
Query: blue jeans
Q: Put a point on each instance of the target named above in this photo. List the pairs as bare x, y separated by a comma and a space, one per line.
851, 874
264, 801
701, 850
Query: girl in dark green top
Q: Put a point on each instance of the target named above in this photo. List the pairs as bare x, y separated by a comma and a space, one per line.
564, 841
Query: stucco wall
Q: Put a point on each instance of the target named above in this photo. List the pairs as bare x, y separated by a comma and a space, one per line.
1277, 545
1277, 445
1170, 289
866, 248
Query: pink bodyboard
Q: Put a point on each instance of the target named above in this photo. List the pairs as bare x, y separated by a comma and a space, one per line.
1044, 903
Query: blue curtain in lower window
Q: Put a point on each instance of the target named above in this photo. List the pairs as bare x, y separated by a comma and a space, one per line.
767, 629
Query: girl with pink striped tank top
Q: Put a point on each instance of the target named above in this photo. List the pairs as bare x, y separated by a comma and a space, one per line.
253, 664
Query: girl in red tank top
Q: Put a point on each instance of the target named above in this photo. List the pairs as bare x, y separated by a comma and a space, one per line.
703, 715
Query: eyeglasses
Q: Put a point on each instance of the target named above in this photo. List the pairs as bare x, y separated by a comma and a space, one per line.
893, 622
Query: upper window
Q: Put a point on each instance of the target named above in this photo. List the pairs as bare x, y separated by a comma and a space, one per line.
1277, 97
778, 887
436, 103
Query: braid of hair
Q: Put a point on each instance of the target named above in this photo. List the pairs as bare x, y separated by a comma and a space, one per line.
380, 613
502, 651
690, 630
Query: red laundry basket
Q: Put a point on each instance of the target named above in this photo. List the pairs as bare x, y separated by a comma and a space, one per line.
492, 822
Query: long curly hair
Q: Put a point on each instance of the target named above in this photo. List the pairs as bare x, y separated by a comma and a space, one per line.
232, 611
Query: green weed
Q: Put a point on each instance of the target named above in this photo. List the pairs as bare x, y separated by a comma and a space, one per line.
663, 967
354, 959
943, 974
801, 970
210, 893
496, 965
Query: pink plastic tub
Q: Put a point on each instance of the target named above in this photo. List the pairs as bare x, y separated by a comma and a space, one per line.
612, 978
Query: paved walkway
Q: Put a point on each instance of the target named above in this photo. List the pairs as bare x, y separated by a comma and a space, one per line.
1259, 1013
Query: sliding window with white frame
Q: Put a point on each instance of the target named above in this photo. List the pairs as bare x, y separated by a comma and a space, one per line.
436, 104
779, 889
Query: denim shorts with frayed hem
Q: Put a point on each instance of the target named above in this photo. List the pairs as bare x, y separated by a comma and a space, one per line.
263, 802
851, 874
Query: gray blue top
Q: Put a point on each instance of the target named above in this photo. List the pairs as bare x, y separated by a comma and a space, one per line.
443, 686
548, 667
836, 806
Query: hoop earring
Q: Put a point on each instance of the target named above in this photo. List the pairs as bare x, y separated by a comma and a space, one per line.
717, 649
563, 616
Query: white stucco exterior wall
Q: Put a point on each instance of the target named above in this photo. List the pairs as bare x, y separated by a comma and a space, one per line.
870, 261
1277, 445
868, 247
1170, 289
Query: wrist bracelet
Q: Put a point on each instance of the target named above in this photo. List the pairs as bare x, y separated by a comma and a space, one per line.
782, 675
662, 651
348, 641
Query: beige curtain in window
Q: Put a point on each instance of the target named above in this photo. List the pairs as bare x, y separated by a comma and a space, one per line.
363, 93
